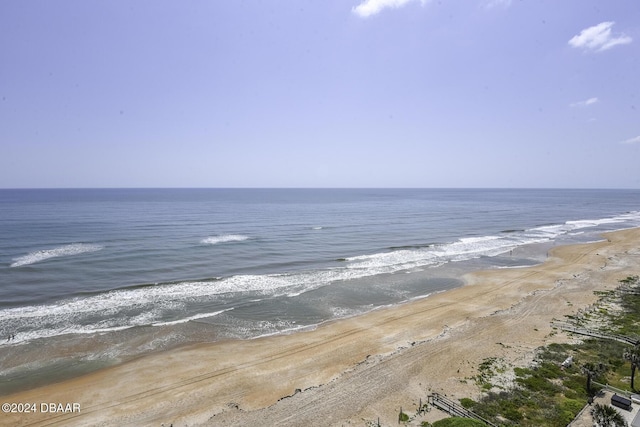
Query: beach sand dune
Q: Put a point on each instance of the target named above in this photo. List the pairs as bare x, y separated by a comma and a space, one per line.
353, 370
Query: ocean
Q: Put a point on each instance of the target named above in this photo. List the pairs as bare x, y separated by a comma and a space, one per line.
90, 277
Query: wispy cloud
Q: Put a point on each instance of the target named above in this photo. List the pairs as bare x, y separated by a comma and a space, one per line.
371, 7
585, 103
490, 4
598, 38
635, 140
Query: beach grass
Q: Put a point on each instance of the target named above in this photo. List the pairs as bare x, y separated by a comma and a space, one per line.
548, 394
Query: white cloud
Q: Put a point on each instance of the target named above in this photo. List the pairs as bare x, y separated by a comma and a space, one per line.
598, 38
585, 103
490, 4
635, 140
372, 7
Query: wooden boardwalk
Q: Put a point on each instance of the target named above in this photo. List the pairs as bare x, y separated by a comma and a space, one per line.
454, 408
597, 334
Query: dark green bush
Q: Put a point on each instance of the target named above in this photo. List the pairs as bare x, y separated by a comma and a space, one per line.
548, 395
458, 422
467, 403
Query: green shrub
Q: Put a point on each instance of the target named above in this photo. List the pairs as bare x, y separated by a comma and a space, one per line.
549, 370
572, 405
458, 422
467, 403
548, 395
538, 384
512, 414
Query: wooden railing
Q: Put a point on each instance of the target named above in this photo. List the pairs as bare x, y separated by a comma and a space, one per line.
597, 334
454, 408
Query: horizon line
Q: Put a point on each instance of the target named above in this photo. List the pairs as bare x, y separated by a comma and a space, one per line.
318, 188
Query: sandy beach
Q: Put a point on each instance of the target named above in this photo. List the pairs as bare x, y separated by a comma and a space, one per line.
351, 371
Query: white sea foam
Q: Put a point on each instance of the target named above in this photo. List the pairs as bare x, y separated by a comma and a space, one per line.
345, 312
214, 240
149, 305
474, 247
190, 318
125, 308
268, 329
61, 251
555, 230
433, 256
153, 305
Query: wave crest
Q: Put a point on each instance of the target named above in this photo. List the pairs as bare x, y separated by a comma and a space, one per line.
214, 240
61, 251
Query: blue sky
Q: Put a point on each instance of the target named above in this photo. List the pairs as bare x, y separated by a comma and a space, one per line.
332, 93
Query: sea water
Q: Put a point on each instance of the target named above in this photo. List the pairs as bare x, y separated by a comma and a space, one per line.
116, 266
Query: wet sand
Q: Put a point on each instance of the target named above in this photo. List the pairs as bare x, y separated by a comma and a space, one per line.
348, 371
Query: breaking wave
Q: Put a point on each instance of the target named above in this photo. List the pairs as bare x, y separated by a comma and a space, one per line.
178, 302
61, 251
214, 240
